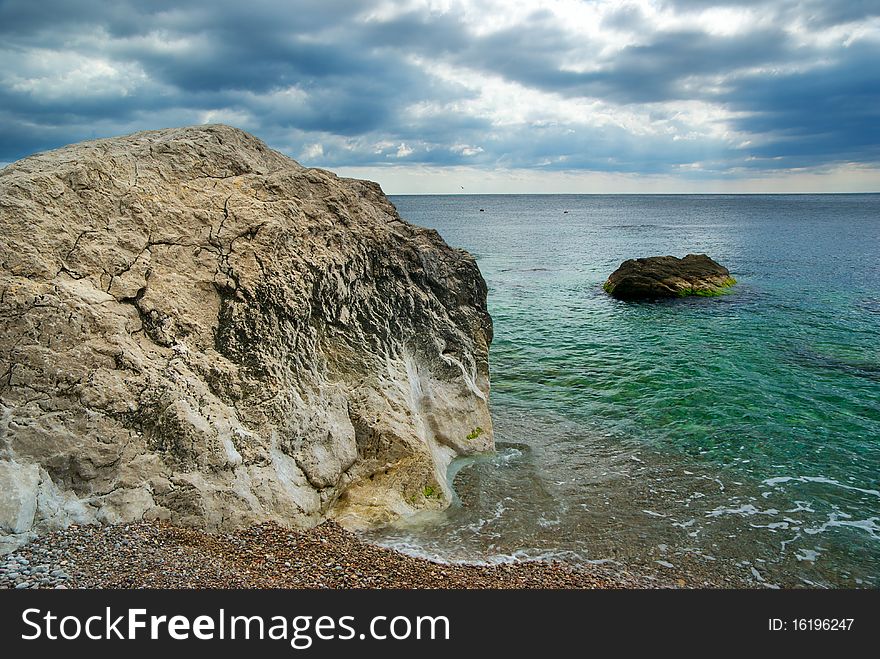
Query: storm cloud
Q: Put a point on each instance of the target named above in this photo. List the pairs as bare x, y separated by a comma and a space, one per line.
686, 88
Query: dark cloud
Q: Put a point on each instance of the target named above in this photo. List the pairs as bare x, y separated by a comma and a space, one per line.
126, 18
831, 112
660, 71
222, 57
337, 74
625, 17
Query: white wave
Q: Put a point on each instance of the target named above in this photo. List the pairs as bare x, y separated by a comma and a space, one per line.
477, 526
784, 544
744, 510
808, 554
801, 506
779, 480
772, 526
411, 547
506, 455
834, 520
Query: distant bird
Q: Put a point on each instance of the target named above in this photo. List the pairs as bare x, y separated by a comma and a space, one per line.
565, 212
482, 211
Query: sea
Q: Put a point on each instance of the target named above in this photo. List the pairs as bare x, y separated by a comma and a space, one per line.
731, 440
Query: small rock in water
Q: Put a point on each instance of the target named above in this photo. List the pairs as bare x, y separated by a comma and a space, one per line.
657, 277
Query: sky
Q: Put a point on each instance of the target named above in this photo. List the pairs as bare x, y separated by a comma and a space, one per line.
454, 96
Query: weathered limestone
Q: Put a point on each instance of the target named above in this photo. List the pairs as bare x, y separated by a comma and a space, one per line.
195, 327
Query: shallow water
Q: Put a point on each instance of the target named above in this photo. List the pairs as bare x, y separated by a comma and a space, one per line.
738, 435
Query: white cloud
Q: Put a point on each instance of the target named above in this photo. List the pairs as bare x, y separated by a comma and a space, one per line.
240, 118
58, 75
467, 150
312, 152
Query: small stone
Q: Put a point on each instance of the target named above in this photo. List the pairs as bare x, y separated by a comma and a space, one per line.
22, 585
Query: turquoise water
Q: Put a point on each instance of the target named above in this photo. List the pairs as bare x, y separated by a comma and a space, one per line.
735, 435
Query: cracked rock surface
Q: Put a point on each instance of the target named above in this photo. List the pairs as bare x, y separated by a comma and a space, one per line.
195, 328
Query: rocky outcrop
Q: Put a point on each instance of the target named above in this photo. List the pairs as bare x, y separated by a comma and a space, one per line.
194, 327
667, 276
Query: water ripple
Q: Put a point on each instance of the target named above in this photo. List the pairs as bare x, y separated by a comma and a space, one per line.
753, 416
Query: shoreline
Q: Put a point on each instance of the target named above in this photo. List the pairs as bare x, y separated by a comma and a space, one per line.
161, 556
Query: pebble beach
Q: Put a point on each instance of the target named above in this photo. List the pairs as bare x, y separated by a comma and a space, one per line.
158, 555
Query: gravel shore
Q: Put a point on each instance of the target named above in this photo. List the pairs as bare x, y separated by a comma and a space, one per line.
158, 555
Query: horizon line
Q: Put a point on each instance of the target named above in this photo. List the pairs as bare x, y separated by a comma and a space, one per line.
622, 194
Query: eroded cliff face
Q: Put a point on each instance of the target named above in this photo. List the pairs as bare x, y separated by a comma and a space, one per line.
196, 328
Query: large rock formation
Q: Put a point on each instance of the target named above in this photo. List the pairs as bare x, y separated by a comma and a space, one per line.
667, 276
196, 328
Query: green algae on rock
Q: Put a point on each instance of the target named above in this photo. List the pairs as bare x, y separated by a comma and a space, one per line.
658, 277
